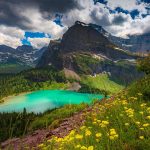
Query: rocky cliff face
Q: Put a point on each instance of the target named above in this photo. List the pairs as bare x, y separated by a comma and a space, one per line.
85, 49
81, 38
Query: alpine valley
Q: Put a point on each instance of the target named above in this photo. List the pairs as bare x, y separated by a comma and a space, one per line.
88, 90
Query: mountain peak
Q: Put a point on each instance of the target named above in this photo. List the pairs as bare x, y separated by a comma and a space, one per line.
96, 27
81, 23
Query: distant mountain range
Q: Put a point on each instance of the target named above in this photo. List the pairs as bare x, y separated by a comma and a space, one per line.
24, 54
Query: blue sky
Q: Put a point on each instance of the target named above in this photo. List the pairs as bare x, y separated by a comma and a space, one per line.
38, 24
58, 17
29, 34
32, 35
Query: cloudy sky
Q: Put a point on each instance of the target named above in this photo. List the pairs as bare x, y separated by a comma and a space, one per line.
36, 22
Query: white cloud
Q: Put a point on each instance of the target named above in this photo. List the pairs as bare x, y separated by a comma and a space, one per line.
37, 23
39, 42
126, 5
11, 36
118, 24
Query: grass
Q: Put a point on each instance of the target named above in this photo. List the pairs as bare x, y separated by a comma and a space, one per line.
142, 86
102, 82
19, 124
54, 118
121, 124
53, 85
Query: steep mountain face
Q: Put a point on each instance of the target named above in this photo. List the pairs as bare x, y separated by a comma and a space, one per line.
81, 38
135, 43
85, 49
24, 54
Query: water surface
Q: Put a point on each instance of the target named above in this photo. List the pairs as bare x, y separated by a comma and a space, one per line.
43, 100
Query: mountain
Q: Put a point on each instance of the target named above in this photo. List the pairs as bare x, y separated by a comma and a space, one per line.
134, 43
82, 38
86, 49
25, 54
15, 60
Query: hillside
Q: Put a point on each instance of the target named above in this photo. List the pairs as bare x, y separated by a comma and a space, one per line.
85, 50
120, 122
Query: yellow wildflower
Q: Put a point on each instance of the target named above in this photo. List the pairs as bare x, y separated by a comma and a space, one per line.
83, 148
146, 125
148, 117
90, 148
143, 104
137, 122
41, 145
111, 137
78, 146
140, 94
59, 139
112, 132
72, 132
88, 133
105, 122
78, 136
141, 128
124, 102
148, 109
141, 112
141, 137
126, 124
83, 127
102, 125
98, 121
98, 135
94, 122
116, 135
130, 116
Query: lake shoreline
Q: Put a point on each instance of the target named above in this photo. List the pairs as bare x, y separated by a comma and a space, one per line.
43, 100
3, 100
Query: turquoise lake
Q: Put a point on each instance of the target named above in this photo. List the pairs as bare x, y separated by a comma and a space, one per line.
43, 100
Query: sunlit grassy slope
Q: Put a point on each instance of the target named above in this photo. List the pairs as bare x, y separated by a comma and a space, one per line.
102, 82
119, 124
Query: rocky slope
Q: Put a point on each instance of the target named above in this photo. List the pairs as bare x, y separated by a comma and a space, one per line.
135, 43
85, 49
81, 38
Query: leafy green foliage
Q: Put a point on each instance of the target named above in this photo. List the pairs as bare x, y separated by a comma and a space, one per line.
141, 86
83, 63
14, 124
18, 124
144, 64
30, 80
12, 68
